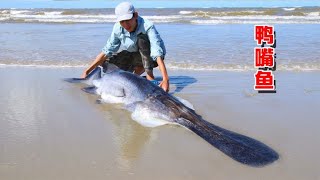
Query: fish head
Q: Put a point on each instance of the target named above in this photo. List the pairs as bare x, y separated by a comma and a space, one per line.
93, 75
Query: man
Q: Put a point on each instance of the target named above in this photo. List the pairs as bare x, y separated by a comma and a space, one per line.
143, 48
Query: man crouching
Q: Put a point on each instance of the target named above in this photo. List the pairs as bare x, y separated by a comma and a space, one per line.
143, 48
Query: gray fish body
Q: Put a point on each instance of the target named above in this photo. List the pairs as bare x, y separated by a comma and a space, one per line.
136, 92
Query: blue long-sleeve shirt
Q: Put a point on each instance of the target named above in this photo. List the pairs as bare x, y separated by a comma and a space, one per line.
128, 41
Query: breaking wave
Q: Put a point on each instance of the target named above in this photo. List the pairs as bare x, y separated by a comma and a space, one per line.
163, 15
311, 66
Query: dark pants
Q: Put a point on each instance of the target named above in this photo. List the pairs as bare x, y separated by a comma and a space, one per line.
126, 60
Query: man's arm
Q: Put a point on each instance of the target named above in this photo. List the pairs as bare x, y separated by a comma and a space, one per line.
165, 78
111, 46
98, 61
157, 53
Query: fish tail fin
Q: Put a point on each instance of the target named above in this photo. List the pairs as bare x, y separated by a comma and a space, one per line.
241, 148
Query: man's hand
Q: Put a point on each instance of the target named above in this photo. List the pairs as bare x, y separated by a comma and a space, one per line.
165, 85
98, 61
165, 82
84, 74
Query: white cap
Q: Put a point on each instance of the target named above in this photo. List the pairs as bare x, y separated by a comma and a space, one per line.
124, 11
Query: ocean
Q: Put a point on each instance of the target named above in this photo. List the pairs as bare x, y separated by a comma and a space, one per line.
196, 39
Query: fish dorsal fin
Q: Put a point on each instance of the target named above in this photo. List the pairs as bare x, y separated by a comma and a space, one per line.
181, 111
109, 67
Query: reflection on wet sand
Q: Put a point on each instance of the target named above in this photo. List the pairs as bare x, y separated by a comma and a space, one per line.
129, 136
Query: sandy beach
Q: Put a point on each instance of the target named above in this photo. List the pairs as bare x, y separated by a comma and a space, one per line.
51, 129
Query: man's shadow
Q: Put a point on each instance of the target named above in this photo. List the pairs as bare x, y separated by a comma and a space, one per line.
179, 81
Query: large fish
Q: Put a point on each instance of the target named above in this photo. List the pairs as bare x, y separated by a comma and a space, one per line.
137, 92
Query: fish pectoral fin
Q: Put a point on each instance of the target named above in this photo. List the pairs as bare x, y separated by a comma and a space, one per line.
123, 93
90, 90
120, 93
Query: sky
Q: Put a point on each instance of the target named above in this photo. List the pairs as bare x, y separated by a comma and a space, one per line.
155, 3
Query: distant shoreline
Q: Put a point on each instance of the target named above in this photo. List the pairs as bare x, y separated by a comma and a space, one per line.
159, 4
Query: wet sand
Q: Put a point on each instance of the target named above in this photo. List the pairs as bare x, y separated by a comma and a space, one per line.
52, 130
